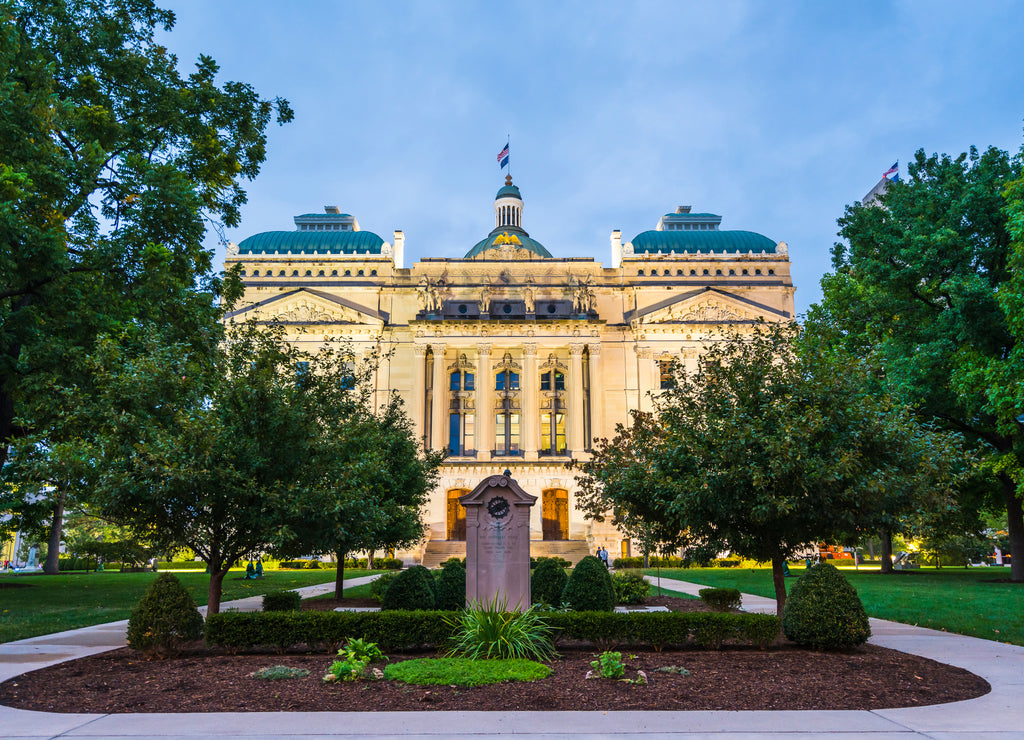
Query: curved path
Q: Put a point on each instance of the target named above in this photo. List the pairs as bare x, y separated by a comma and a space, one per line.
998, 715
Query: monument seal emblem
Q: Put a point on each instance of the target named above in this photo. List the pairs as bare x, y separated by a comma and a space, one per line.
498, 507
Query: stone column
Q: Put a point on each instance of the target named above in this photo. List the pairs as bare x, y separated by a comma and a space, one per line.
439, 410
529, 417
484, 433
574, 428
419, 393
597, 400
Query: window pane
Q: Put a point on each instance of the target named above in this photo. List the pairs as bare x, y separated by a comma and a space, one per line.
514, 381
560, 432
499, 382
453, 434
453, 384
545, 382
559, 382
467, 439
514, 433
545, 431
499, 432
469, 382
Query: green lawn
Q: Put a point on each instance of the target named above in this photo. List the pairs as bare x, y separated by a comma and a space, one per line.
56, 603
954, 599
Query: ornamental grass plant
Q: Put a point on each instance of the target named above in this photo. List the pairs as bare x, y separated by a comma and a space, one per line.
490, 630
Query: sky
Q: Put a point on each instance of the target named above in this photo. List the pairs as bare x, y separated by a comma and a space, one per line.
774, 115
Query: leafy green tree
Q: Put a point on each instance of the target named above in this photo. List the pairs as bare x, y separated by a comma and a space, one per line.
205, 454
113, 164
767, 449
367, 480
928, 289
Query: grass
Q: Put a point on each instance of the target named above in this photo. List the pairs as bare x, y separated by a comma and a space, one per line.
278, 673
56, 603
464, 671
961, 600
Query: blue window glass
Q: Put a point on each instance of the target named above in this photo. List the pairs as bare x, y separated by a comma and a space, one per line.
453, 434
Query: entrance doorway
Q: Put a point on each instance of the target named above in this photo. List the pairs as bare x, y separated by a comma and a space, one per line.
456, 515
555, 514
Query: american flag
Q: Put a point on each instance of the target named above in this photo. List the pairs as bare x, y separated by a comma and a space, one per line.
894, 171
503, 157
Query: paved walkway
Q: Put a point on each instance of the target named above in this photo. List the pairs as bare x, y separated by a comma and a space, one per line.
997, 716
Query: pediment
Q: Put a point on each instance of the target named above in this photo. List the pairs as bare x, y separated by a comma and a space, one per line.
708, 307
311, 307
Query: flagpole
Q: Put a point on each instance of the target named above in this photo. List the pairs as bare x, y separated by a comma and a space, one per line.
508, 142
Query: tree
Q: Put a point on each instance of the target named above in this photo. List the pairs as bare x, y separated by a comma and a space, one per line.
927, 289
113, 163
205, 454
767, 449
367, 480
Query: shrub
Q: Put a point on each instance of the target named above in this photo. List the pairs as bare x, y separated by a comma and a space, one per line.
560, 562
300, 564
630, 587
388, 564
547, 582
164, 618
609, 665
589, 588
379, 586
450, 587
281, 601
464, 671
412, 589
460, 561
823, 611
721, 599
630, 562
726, 563
356, 657
489, 630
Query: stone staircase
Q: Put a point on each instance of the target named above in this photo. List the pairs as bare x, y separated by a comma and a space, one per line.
437, 551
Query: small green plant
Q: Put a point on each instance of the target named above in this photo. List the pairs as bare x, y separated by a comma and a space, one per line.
412, 589
356, 657
465, 671
164, 618
676, 669
823, 611
278, 672
490, 630
548, 582
607, 665
589, 587
721, 599
281, 601
630, 587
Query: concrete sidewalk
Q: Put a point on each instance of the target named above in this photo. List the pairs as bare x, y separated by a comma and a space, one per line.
999, 714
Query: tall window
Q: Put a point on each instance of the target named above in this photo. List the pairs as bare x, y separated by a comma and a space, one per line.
665, 373
460, 417
506, 419
552, 416
585, 383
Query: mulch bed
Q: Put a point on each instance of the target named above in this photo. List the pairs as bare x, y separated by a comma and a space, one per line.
785, 677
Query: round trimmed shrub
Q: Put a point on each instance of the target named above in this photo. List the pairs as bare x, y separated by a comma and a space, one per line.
412, 589
282, 601
450, 587
823, 611
164, 618
379, 586
630, 587
589, 587
548, 582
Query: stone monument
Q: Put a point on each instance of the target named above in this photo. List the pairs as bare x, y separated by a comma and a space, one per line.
498, 542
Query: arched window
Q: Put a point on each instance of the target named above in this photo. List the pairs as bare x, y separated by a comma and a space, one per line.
552, 412
506, 417
460, 414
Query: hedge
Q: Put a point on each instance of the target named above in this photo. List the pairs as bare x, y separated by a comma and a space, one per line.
378, 563
403, 630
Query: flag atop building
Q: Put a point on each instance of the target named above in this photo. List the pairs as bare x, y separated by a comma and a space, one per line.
503, 157
894, 171
889, 176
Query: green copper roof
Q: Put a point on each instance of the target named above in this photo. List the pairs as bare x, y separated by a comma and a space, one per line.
497, 238
323, 242
508, 191
325, 216
701, 241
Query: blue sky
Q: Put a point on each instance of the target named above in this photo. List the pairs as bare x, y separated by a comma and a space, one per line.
774, 115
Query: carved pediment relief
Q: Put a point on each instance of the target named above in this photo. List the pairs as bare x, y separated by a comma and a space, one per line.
708, 308
304, 307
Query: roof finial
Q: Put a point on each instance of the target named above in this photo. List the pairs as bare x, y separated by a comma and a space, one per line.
508, 179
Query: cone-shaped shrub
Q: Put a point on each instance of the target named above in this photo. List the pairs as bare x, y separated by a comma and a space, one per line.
589, 587
823, 611
450, 586
164, 618
548, 582
412, 589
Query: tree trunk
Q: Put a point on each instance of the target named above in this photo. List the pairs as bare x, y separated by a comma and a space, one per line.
1014, 528
369, 559
339, 578
886, 536
52, 566
871, 547
216, 587
779, 579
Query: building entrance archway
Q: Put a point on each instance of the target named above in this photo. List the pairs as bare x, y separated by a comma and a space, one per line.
555, 514
456, 515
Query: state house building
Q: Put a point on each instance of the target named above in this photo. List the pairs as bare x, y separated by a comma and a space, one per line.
510, 357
